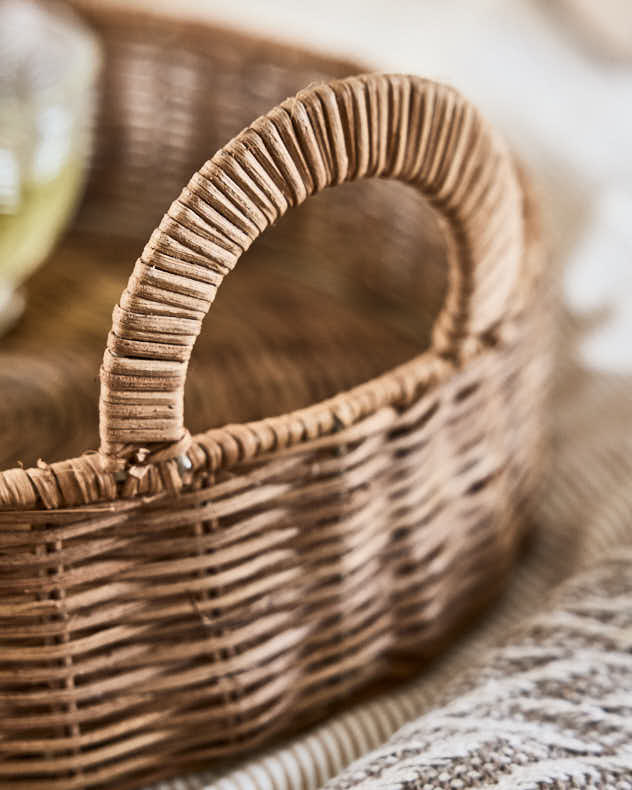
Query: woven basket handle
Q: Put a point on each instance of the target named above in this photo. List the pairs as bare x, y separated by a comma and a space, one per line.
396, 127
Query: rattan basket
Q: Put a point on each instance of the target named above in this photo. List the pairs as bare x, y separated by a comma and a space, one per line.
173, 599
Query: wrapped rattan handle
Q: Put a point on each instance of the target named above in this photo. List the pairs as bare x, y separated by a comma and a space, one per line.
396, 127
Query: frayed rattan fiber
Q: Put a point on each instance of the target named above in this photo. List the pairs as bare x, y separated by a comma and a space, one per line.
169, 601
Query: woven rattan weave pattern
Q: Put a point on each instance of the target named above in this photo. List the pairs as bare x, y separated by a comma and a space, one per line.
167, 601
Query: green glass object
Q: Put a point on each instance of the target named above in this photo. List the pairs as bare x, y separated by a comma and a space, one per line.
48, 68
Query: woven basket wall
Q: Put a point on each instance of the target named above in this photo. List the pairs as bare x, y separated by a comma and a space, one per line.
367, 406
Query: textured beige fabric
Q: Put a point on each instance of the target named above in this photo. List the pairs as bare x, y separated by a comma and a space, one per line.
552, 707
585, 511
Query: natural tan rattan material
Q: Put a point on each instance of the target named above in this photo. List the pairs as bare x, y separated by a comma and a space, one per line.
389, 127
169, 601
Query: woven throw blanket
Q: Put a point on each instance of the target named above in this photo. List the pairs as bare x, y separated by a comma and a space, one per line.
585, 511
552, 708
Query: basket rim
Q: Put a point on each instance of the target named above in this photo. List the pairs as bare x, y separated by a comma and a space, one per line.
55, 487
90, 483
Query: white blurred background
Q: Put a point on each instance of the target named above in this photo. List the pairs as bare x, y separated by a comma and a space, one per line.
558, 84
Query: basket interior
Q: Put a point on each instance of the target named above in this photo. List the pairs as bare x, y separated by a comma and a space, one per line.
343, 288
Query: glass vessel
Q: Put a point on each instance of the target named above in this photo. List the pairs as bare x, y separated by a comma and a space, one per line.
49, 63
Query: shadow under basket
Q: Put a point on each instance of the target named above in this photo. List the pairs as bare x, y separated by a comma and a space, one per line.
366, 411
